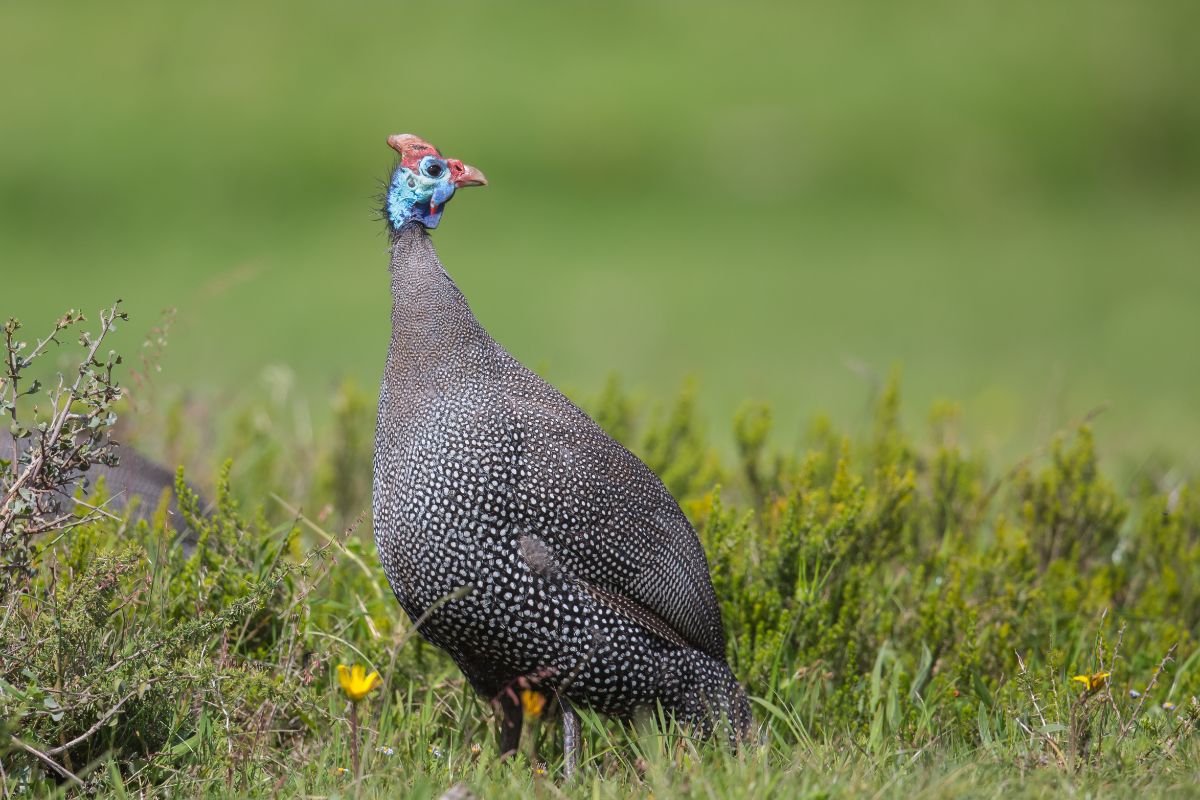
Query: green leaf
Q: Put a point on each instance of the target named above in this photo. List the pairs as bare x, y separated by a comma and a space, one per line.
922, 676
984, 723
981, 691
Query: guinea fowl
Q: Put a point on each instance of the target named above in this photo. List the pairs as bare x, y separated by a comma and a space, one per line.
135, 480
537, 551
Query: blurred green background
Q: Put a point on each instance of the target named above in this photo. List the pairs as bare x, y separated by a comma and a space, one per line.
783, 200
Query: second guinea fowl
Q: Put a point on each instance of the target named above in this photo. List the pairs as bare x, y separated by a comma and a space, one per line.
537, 551
135, 480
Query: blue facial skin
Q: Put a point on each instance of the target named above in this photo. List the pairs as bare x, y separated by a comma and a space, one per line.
419, 195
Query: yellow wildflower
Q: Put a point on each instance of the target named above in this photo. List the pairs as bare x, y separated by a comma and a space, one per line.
356, 683
533, 702
1093, 682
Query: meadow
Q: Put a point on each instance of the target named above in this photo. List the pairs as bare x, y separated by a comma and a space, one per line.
900, 303
908, 619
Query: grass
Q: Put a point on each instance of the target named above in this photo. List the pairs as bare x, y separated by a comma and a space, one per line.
620, 765
907, 618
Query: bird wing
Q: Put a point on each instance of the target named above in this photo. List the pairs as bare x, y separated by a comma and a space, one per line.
609, 519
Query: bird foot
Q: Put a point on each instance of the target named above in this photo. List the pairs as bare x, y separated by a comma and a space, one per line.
571, 738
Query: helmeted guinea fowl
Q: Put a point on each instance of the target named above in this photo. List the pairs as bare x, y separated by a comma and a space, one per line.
527, 543
134, 480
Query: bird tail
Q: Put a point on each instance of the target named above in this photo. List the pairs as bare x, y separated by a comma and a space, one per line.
713, 701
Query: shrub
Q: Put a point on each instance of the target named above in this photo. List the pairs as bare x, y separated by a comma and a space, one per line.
883, 595
45, 450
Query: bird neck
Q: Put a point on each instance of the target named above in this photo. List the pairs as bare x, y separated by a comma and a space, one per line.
435, 337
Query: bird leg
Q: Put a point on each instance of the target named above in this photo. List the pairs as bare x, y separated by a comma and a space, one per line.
507, 705
571, 741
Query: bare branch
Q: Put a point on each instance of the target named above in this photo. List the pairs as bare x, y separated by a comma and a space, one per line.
47, 760
97, 726
1128, 726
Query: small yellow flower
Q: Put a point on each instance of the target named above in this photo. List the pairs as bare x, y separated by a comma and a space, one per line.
1093, 682
355, 681
539, 769
533, 702
340, 771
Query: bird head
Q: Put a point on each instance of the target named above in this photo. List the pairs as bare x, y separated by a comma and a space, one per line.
423, 182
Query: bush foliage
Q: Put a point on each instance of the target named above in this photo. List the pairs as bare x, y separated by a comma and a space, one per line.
894, 604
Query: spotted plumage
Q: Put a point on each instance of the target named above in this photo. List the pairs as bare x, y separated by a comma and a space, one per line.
537, 550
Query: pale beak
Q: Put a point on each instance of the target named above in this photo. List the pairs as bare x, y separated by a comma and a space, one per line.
470, 176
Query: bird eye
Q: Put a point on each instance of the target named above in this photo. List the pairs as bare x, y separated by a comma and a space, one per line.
433, 169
